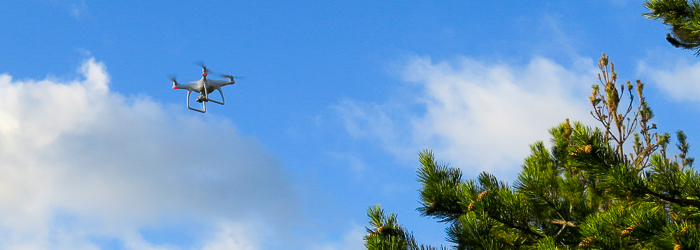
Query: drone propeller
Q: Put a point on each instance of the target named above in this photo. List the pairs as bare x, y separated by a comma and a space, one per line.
207, 71
232, 76
174, 80
204, 66
172, 77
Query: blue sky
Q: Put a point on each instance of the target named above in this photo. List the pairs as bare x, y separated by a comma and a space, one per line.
337, 100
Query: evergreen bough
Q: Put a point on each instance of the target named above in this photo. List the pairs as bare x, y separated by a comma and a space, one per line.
610, 187
683, 17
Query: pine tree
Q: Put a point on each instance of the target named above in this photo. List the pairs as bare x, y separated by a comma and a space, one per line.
387, 234
683, 17
610, 187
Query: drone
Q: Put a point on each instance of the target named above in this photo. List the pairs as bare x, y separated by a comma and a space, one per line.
204, 87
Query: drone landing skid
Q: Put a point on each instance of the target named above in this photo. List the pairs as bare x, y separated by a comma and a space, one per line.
204, 99
222, 98
204, 105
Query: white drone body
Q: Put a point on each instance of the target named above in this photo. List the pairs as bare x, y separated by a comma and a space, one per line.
204, 87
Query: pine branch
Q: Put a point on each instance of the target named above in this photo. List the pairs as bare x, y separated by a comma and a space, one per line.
682, 16
523, 229
680, 201
584, 192
441, 194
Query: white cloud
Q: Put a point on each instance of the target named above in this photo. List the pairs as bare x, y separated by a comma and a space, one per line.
81, 163
475, 115
678, 79
353, 239
233, 236
77, 8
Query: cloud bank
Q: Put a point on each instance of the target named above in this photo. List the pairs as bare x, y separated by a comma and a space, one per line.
86, 168
476, 115
679, 79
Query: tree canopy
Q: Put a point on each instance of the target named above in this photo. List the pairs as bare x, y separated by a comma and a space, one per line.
683, 18
615, 186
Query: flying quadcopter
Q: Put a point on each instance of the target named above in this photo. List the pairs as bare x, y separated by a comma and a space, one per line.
204, 87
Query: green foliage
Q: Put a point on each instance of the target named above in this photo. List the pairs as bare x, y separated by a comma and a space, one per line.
682, 17
387, 234
442, 198
584, 192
